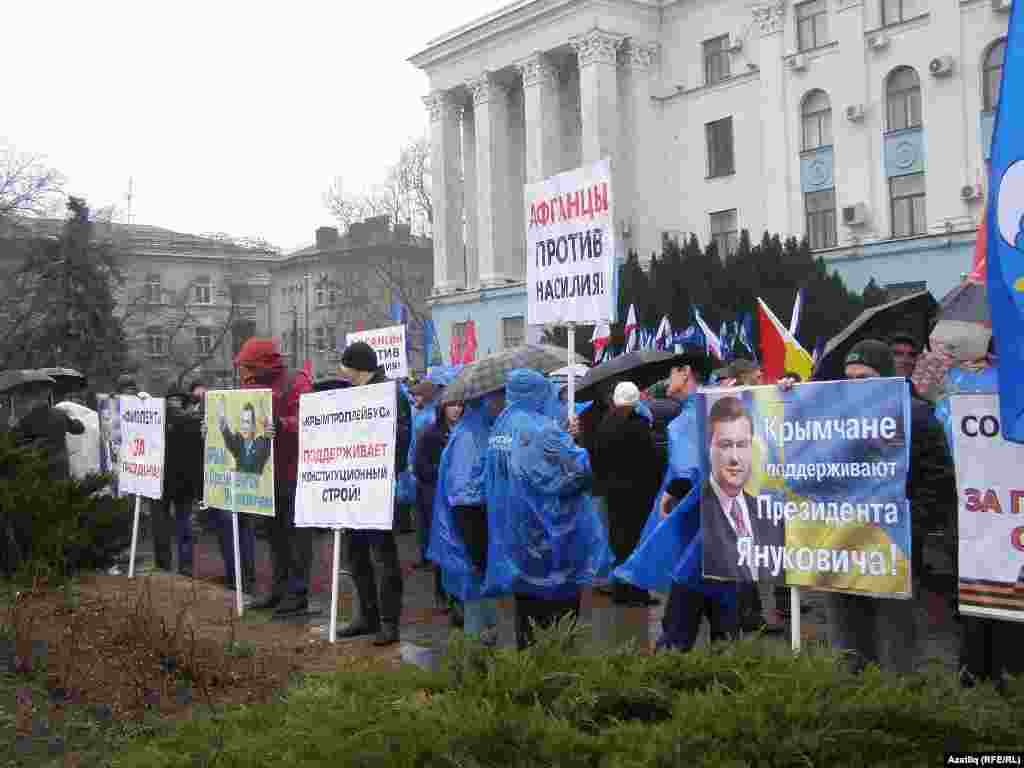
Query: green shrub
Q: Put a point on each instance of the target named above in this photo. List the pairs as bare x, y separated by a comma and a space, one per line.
737, 705
52, 529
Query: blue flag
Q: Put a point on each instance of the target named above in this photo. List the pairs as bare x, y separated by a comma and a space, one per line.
1006, 232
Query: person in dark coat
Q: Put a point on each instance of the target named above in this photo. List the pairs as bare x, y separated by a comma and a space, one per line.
46, 428
381, 608
183, 484
426, 463
625, 459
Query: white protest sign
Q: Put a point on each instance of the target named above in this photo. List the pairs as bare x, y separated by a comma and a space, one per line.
347, 458
389, 344
141, 458
570, 247
990, 510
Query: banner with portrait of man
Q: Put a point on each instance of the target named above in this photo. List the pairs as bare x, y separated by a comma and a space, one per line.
238, 472
808, 487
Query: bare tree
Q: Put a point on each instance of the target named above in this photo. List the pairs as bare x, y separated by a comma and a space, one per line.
404, 196
28, 186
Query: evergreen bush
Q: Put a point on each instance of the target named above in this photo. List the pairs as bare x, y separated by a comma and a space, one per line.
53, 529
739, 704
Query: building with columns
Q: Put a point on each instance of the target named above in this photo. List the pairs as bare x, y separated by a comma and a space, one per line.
863, 124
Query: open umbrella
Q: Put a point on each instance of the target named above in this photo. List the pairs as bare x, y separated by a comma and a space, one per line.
964, 326
488, 374
912, 313
67, 379
643, 367
562, 374
14, 382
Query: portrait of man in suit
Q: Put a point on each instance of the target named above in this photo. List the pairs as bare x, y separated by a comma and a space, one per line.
251, 453
728, 512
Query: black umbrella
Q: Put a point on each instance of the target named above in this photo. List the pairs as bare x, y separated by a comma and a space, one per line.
67, 380
643, 367
14, 382
325, 385
912, 313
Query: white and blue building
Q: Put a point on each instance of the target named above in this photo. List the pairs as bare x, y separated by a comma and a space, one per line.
864, 124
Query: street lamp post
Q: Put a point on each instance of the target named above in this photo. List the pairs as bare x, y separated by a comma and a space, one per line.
308, 277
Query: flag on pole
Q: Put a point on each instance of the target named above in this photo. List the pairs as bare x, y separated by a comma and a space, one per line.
819, 350
455, 347
629, 331
798, 305
780, 351
1005, 238
663, 338
712, 343
599, 341
469, 343
746, 334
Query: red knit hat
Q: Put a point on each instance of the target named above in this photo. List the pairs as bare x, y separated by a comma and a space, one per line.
261, 355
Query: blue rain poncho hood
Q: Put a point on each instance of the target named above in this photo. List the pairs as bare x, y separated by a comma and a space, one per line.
459, 483
545, 537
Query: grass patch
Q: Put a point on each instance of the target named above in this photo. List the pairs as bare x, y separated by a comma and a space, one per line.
734, 705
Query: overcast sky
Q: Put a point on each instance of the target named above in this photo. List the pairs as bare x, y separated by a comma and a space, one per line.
230, 116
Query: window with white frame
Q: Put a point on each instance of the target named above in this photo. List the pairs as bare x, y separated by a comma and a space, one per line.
992, 74
898, 11
821, 218
816, 120
903, 99
332, 338
154, 292
321, 294
204, 340
811, 24
202, 291
156, 341
907, 205
725, 232
320, 338
513, 332
720, 148
716, 60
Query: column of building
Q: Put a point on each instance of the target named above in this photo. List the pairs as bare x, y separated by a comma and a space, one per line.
449, 264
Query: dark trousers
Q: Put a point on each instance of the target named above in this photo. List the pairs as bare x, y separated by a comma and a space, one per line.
685, 610
472, 522
291, 548
990, 647
626, 519
373, 558
424, 516
220, 520
168, 528
532, 612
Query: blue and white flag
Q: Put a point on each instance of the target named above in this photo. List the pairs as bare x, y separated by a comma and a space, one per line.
1006, 232
798, 306
746, 334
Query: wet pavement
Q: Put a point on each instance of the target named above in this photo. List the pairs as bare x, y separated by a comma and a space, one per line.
425, 628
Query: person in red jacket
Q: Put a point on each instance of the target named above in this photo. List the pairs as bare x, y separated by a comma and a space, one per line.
261, 366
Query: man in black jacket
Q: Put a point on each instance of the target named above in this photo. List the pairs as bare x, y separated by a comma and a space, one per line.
381, 608
183, 485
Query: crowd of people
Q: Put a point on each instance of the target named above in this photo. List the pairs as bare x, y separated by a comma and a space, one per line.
515, 497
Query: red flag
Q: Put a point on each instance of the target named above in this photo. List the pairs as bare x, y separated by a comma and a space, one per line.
780, 351
307, 368
455, 350
360, 326
469, 343
980, 248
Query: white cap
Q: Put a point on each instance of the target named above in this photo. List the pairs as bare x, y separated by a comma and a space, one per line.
626, 393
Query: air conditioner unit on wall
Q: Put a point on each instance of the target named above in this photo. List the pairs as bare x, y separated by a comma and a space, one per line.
970, 191
878, 40
798, 62
855, 215
855, 113
941, 66
1002, 6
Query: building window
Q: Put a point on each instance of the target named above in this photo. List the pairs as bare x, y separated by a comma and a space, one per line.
724, 232
513, 332
903, 99
816, 120
332, 295
156, 342
720, 156
716, 60
320, 338
321, 295
821, 218
992, 74
202, 291
811, 24
286, 342
897, 11
154, 289
204, 341
908, 215
332, 338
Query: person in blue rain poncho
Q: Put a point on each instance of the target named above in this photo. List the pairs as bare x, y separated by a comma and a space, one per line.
458, 535
668, 558
545, 539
